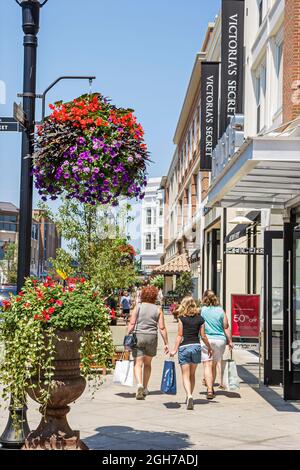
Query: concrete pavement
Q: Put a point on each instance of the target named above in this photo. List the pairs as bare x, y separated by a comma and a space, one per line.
254, 418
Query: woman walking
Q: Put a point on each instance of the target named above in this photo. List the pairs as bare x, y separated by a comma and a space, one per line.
218, 333
145, 321
190, 327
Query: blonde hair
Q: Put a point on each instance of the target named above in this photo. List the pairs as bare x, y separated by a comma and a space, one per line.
188, 307
210, 299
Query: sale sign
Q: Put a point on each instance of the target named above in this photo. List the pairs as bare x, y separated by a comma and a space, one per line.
245, 315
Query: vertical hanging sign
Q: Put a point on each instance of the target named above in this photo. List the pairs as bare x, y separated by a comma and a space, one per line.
209, 112
232, 61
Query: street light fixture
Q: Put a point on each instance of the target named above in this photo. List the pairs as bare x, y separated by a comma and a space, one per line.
12, 437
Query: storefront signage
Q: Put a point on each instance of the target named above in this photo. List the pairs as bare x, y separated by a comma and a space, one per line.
209, 112
245, 315
232, 58
244, 251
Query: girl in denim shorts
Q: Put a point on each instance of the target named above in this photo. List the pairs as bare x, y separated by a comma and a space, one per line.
190, 328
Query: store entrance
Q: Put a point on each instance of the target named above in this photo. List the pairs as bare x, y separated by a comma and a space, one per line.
273, 308
292, 311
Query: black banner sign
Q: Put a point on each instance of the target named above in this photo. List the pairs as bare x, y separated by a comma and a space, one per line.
232, 61
244, 251
209, 112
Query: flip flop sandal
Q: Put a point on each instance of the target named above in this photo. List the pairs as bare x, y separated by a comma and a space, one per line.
210, 395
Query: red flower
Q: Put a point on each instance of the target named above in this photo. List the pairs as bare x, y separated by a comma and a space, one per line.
18, 299
82, 280
6, 304
51, 310
52, 301
45, 315
27, 305
59, 303
21, 293
37, 317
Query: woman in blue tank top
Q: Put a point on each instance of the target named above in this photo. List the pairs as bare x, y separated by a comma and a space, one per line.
218, 333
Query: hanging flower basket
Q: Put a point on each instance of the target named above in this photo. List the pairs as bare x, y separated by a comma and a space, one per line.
90, 150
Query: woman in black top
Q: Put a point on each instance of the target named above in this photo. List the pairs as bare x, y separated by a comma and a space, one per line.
190, 327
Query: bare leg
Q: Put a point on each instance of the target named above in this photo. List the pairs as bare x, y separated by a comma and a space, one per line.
147, 370
214, 370
138, 369
208, 374
193, 368
186, 378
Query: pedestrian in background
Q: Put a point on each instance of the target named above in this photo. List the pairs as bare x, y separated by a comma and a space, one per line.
125, 304
218, 333
190, 328
146, 319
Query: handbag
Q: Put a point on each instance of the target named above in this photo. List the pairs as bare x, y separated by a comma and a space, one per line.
168, 381
130, 341
123, 374
231, 378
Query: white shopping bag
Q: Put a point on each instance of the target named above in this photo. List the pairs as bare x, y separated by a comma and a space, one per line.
123, 374
231, 379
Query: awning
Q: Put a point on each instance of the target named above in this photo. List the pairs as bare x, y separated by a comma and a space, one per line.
241, 229
176, 265
263, 173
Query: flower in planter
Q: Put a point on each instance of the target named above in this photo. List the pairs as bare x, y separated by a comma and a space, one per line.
30, 323
90, 150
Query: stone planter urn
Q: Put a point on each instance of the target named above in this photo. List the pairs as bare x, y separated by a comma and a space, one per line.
54, 431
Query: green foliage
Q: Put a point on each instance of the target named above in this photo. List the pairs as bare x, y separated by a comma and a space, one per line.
9, 263
28, 326
110, 269
95, 236
158, 282
62, 262
184, 285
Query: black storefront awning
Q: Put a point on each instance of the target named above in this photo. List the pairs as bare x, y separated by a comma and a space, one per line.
241, 229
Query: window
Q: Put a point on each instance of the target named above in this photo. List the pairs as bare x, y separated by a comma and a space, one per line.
154, 241
279, 74
160, 208
8, 223
34, 232
260, 97
148, 217
260, 12
148, 241
161, 233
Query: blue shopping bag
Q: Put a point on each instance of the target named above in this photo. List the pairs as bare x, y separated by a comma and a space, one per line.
168, 381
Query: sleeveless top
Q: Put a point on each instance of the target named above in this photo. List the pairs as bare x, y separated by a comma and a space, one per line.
191, 329
147, 319
214, 322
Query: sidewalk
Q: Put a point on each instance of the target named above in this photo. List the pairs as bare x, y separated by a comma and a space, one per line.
251, 419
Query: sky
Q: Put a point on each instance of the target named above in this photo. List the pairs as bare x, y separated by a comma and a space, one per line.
141, 51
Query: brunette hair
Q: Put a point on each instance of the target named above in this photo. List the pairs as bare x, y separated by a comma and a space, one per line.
149, 294
188, 307
210, 299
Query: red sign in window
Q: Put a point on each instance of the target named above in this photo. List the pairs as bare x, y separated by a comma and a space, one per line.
245, 315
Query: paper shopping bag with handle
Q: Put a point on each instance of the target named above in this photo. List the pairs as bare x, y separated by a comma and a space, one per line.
123, 374
231, 379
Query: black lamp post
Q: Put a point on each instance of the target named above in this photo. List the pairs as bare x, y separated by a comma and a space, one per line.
12, 437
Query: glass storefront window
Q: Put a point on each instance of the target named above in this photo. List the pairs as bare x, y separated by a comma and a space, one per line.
277, 304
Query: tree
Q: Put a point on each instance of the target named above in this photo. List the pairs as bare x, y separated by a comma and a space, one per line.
184, 285
158, 282
95, 235
9, 263
63, 263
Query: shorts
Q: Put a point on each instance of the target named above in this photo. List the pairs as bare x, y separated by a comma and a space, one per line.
218, 347
126, 311
189, 354
146, 345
